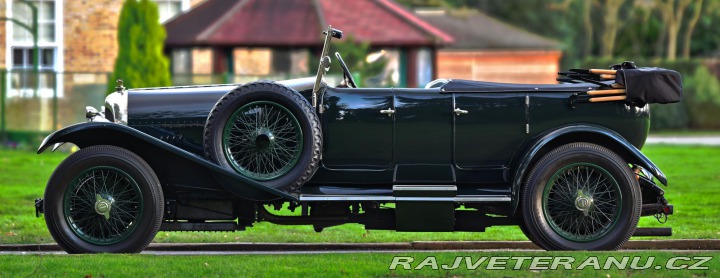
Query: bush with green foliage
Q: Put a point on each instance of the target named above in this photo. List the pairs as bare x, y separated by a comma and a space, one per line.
701, 94
140, 61
703, 99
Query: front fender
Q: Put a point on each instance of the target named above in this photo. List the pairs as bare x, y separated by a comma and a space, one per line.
166, 159
630, 152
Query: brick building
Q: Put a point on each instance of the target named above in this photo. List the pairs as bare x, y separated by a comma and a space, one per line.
78, 46
274, 37
491, 50
75, 35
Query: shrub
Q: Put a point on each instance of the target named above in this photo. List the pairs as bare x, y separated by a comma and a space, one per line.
703, 99
668, 116
140, 61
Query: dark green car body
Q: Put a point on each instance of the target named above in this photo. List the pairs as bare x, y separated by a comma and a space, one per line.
484, 152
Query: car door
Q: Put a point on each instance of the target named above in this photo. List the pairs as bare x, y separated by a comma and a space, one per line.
358, 128
488, 128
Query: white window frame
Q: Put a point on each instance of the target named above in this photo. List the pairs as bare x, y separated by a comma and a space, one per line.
58, 45
184, 6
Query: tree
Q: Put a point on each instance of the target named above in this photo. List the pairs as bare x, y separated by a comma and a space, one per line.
140, 61
697, 10
588, 26
706, 37
610, 27
672, 13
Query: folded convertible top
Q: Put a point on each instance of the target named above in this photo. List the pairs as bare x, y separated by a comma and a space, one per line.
651, 85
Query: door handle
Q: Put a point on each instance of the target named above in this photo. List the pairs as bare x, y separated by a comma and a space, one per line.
459, 111
388, 112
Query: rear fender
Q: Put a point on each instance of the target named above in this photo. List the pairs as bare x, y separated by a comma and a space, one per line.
549, 140
166, 160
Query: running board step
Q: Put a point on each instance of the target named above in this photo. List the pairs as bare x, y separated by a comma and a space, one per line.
415, 212
424, 191
411, 193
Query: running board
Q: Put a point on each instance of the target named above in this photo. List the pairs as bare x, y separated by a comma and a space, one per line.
392, 199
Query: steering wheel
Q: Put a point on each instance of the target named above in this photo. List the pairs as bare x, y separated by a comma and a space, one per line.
346, 72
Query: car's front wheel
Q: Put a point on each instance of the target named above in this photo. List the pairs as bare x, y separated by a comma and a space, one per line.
103, 199
581, 196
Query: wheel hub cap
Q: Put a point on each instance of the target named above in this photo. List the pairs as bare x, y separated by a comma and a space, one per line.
103, 206
583, 202
264, 139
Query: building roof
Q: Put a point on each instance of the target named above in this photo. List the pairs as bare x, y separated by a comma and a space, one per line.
299, 23
473, 29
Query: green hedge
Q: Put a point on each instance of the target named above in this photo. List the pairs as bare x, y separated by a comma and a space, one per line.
701, 94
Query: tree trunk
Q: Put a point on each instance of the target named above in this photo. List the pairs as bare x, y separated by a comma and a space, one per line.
610, 27
672, 42
587, 22
659, 43
691, 27
673, 17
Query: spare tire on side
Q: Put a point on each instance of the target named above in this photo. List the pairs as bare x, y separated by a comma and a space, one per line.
267, 132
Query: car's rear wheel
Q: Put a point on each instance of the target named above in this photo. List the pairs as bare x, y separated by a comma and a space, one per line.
103, 199
267, 132
581, 196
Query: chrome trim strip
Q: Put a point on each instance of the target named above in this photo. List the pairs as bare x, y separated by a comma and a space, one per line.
424, 187
482, 199
303, 198
461, 199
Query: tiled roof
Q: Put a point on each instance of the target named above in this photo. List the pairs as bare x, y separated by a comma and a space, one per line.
474, 29
299, 23
186, 27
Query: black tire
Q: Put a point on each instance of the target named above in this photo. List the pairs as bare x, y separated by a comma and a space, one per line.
532, 237
581, 196
117, 177
305, 145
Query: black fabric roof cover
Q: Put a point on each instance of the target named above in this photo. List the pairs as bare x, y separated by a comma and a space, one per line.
651, 85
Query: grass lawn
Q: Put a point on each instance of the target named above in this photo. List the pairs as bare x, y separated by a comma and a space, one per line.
692, 172
335, 265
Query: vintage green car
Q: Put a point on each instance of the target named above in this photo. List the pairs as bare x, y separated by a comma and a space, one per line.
456, 155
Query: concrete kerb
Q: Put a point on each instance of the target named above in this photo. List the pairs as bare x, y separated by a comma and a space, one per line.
682, 244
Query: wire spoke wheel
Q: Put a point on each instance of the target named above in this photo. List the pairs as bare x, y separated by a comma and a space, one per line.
103, 205
582, 202
262, 140
267, 132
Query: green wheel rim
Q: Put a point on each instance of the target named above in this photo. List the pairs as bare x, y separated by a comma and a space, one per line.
103, 205
582, 202
262, 140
